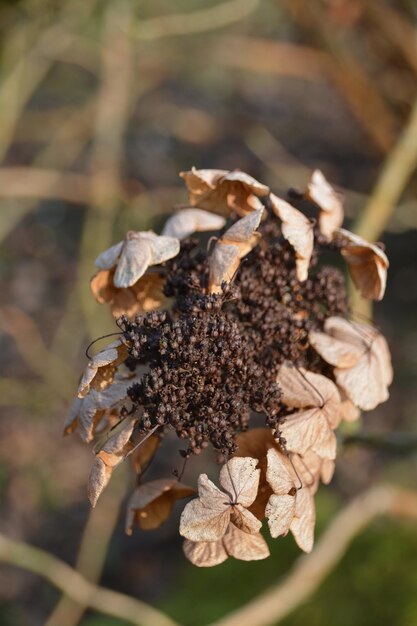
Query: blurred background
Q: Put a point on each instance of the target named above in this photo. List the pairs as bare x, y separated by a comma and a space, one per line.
102, 103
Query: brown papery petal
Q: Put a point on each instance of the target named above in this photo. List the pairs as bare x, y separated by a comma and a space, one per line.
367, 264
309, 429
205, 553
245, 546
278, 473
202, 523
102, 367
99, 478
298, 230
240, 479
280, 513
302, 526
152, 502
189, 221
223, 264
144, 453
330, 203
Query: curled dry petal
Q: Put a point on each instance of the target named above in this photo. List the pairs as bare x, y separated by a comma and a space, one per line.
144, 453
189, 221
100, 371
224, 192
361, 358
236, 243
135, 254
145, 295
112, 452
367, 263
151, 503
86, 413
99, 478
328, 200
298, 231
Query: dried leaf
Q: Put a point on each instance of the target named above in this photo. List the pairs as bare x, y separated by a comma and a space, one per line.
224, 192
236, 243
367, 377
151, 503
367, 264
329, 201
189, 221
298, 231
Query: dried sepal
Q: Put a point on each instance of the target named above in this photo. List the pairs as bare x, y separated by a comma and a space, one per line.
87, 413
151, 504
289, 508
367, 263
207, 517
100, 371
298, 231
361, 360
319, 401
145, 295
144, 453
236, 243
224, 192
133, 256
329, 201
189, 221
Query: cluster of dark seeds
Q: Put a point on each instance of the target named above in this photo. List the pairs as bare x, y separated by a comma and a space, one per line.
212, 360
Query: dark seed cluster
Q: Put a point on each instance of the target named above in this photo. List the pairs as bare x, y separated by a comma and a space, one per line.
211, 362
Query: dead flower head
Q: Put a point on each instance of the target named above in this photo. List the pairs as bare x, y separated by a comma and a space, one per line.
212, 335
224, 192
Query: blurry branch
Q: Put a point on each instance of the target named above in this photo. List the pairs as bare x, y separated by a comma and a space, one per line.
111, 118
34, 352
270, 57
359, 90
396, 443
43, 184
76, 587
93, 549
395, 174
311, 570
25, 394
396, 28
51, 153
199, 21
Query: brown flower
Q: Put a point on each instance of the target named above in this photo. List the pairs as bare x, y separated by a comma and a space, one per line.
100, 371
145, 295
236, 243
328, 200
189, 221
361, 358
224, 192
298, 230
151, 503
132, 257
367, 264
289, 507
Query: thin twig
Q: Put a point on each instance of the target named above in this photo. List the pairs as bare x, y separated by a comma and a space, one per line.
310, 570
77, 588
207, 19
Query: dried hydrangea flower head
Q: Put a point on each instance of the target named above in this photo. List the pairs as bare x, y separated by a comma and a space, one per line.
212, 334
